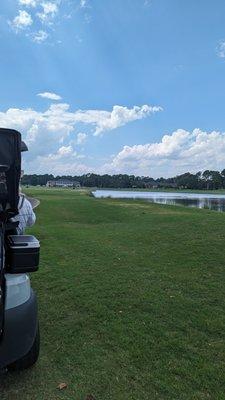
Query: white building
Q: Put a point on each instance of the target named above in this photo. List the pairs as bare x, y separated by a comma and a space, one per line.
63, 183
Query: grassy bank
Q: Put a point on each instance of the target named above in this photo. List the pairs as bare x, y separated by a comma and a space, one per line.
131, 301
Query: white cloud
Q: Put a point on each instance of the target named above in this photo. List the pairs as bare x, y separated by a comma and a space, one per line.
51, 135
83, 3
49, 7
49, 95
65, 150
81, 138
49, 11
40, 36
177, 153
46, 13
63, 162
221, 49
52, 138
59, 118
28, 3
106, 121
62, 154
59, 166
22, 21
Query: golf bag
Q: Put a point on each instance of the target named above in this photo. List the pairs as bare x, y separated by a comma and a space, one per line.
10, 171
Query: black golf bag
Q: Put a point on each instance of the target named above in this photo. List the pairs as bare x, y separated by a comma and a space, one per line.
10, 171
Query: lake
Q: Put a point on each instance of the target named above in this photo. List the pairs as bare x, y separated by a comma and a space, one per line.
200, 200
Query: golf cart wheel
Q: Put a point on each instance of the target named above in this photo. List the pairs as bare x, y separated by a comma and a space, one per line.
30, 358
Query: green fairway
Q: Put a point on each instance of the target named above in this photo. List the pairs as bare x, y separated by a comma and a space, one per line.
131, 301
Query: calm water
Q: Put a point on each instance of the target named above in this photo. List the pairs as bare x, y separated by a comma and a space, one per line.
211, 201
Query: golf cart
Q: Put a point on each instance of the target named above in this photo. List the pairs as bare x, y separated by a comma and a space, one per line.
19, 255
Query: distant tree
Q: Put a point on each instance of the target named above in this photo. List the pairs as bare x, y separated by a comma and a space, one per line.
213, 179
223, 177
216, 179
209, 179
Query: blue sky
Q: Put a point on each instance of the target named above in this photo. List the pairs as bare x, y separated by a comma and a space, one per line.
110, 86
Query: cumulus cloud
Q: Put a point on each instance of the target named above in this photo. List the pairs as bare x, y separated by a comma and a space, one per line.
49, 95
52, 138
22, 21
106, 121
59, 117
221, 49
177, 153
43, 13
51, 135
65, 150
57, 166
81, 138
64, 161
28, 3
39, 11
49, 11
40, 36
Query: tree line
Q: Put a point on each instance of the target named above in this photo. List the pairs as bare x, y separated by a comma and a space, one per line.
201, 180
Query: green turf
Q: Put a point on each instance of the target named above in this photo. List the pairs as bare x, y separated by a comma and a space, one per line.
131, 301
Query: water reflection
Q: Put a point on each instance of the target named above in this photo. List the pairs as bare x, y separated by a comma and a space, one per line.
212, 204
202, 200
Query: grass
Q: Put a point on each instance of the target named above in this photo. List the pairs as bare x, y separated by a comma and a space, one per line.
131, 301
